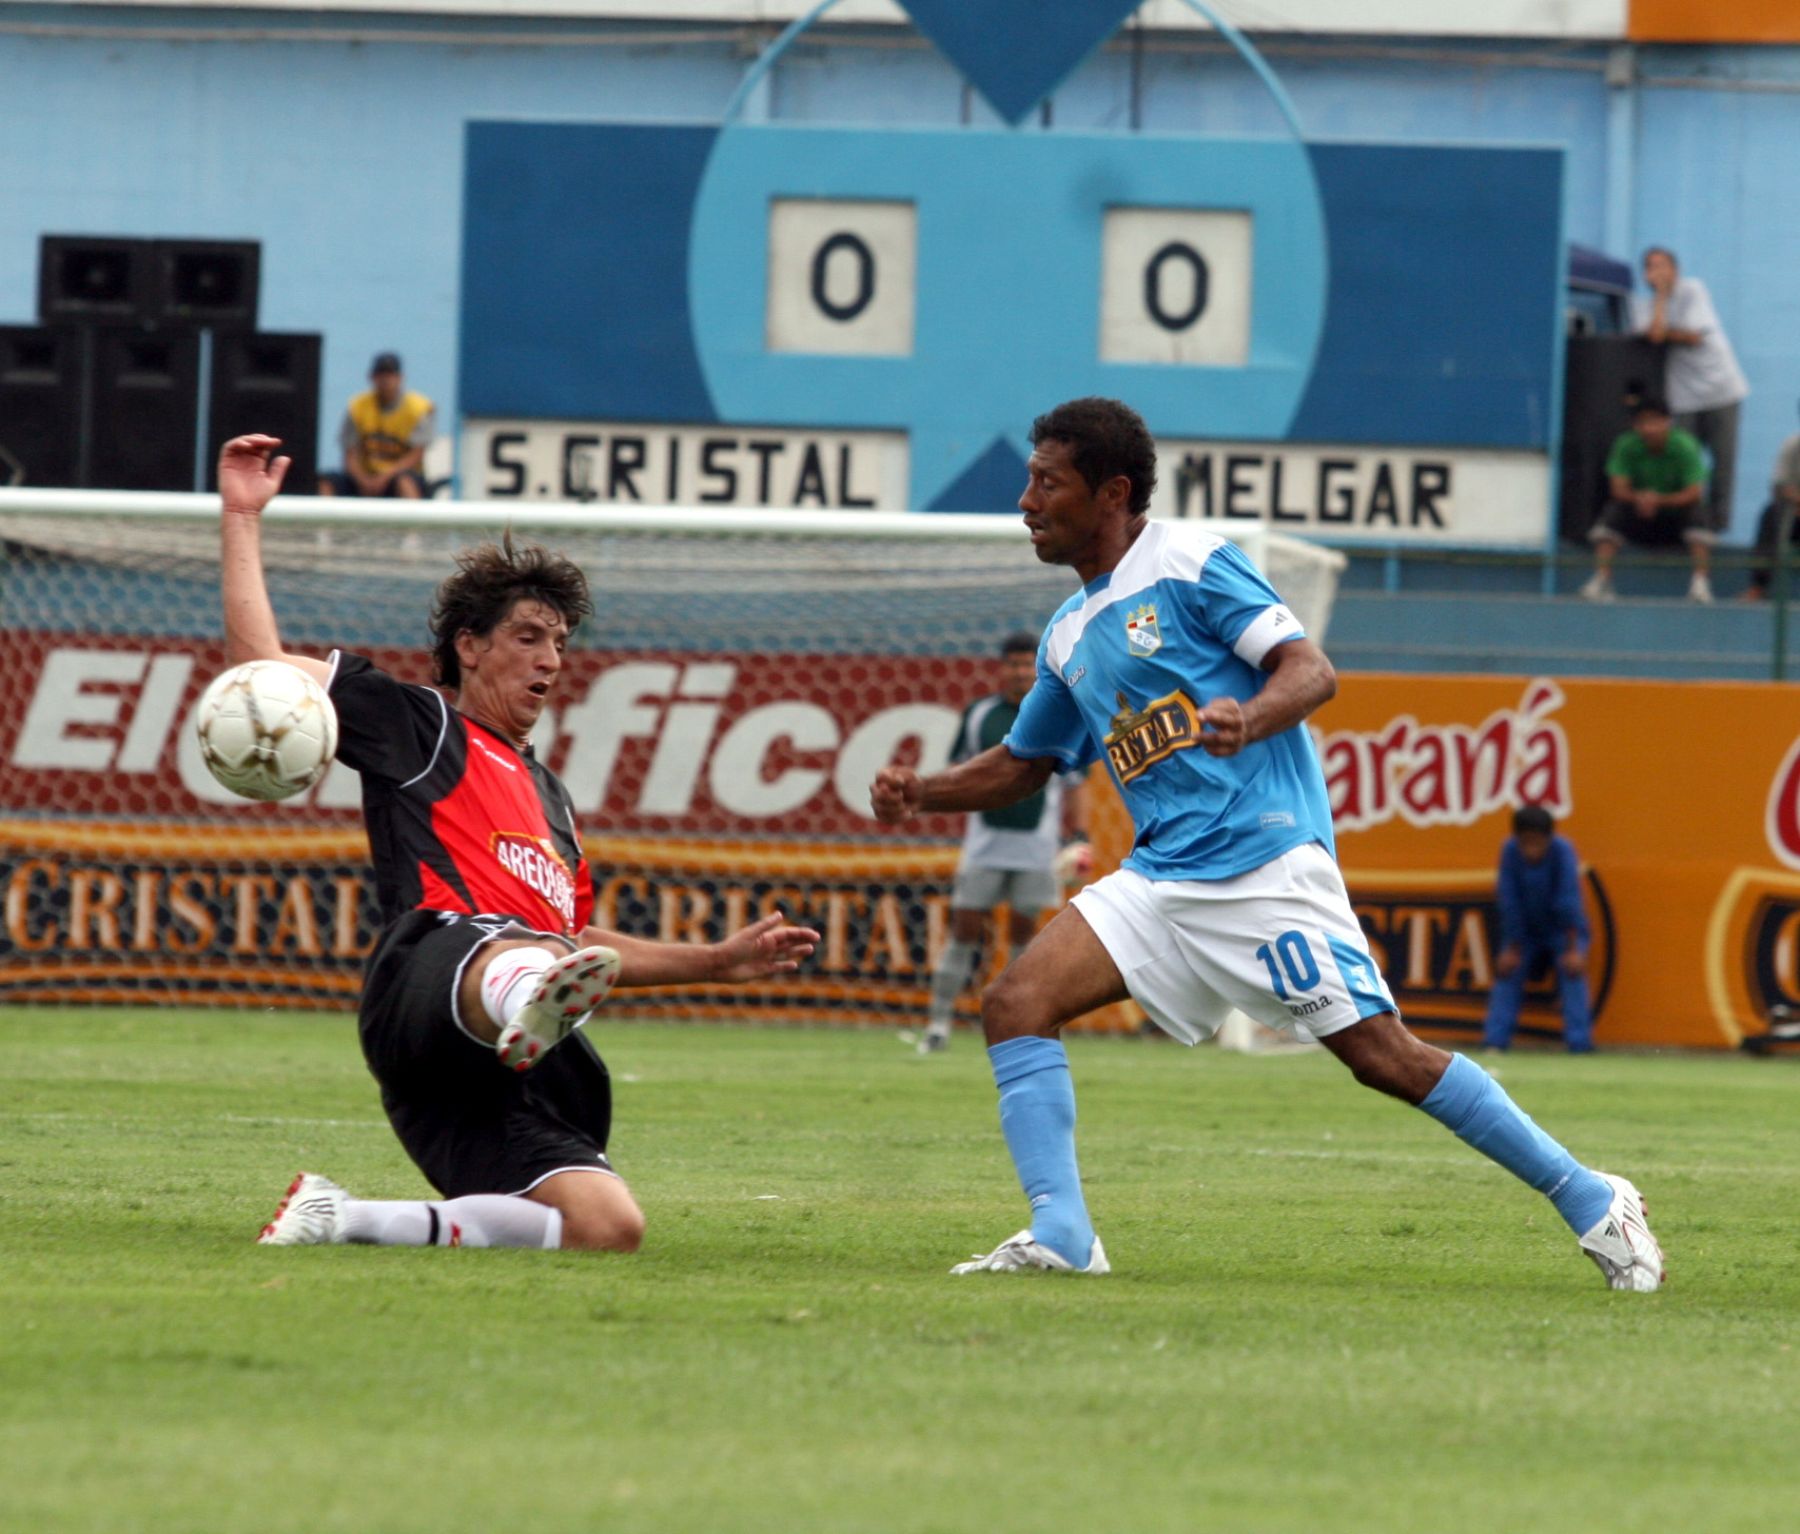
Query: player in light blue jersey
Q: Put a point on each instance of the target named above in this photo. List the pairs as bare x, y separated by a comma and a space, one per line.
1179, 664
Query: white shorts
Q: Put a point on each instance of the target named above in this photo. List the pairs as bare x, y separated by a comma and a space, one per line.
1279, 943
1026, 890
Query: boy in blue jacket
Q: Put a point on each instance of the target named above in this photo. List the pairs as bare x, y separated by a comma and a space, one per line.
1542, 926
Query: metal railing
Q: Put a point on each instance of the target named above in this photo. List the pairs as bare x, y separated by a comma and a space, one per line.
1641, 575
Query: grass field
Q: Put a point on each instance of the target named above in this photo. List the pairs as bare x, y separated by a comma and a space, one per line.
1326, 1314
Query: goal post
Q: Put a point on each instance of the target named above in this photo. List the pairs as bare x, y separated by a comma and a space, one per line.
717, 724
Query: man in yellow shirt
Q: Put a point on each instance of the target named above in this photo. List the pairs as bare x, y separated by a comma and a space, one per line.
385, 434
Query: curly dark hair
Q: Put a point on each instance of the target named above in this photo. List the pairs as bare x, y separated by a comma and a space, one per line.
493, 578
1105, 437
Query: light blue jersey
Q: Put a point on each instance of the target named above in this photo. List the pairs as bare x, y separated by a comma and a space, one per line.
1124, 669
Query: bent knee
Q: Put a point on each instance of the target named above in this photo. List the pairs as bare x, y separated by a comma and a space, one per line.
611, 1230
1009, 1010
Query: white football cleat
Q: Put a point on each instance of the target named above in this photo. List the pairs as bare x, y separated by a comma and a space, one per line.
311, 1213
1022, 1253
560, 1002
1599, 588
1621, 1244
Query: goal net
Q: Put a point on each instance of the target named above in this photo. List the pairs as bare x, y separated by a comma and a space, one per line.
717, 723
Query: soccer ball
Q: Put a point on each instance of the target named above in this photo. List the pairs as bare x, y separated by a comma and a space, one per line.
267, 730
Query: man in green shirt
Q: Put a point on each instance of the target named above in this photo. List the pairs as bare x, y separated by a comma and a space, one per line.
1658, 482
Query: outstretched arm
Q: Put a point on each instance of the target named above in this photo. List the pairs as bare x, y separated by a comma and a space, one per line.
990, 781
768, 947
249, 477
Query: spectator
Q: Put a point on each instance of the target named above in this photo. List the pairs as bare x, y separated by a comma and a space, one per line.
1704, 383
1542, 928
1784, 504
385, 433
1656, 477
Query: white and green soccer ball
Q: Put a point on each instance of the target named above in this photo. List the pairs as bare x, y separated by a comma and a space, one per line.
267, 730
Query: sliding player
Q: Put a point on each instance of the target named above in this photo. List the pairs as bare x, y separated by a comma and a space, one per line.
1181, 663
486, 967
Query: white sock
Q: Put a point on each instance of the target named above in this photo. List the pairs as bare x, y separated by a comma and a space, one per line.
954, 966
476, 1219
509, 979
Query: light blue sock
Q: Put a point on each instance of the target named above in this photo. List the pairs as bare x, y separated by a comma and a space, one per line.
1475, 1108
1037, 1116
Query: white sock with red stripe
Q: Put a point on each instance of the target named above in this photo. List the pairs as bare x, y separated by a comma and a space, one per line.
476, 1219
507, 983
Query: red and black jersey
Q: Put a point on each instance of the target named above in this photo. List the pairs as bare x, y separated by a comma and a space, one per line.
459, 818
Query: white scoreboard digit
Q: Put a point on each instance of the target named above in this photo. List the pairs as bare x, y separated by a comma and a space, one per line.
1175, 286
842, 277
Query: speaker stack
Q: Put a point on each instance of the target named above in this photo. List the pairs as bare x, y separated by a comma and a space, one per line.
105, 392
1602, 378
268, 383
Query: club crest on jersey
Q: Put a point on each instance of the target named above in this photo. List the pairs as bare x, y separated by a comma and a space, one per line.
1142, 636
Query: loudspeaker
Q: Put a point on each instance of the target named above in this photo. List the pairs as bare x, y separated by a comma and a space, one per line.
267, 383
40, 406
1601, 372
145, 409
94, 280
206, 283
98, 280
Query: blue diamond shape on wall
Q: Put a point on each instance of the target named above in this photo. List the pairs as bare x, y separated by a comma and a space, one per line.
1015, 52
993, 482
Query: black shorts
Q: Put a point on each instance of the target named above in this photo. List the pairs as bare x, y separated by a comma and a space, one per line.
1668, 528
471, 1125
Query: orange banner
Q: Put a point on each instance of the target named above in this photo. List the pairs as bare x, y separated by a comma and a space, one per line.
1715, 21
1682, 800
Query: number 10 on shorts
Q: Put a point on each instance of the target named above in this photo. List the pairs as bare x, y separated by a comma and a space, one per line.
1289, 961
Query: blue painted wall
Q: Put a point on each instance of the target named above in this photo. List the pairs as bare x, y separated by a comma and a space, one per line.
345, 158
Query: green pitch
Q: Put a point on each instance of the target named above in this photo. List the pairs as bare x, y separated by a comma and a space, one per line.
1326, 1316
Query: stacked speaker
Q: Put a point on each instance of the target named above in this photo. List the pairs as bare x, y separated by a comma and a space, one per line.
105, 391
1604, 376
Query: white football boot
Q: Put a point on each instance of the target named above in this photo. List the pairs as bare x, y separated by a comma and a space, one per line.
311, 1213
560, 1002
1621, 1244
1021, 1254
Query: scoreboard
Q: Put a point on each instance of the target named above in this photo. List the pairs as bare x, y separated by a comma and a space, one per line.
1359, 341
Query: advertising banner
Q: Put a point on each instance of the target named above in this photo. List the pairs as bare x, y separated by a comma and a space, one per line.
1682, 800
711, 789
714, 787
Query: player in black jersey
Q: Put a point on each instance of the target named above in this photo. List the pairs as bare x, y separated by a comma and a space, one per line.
487, 966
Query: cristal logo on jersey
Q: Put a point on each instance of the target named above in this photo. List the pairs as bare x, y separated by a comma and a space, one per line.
1142, 737
1142, 636
537, 865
